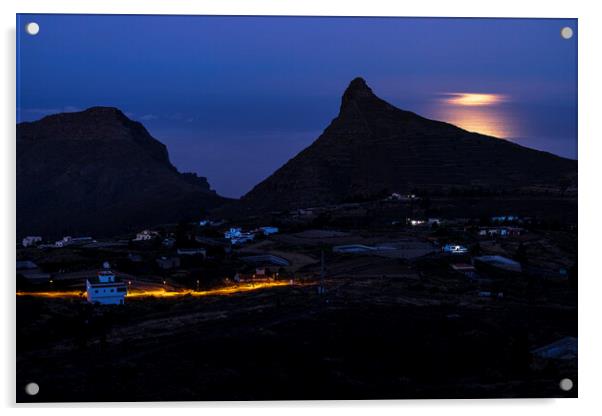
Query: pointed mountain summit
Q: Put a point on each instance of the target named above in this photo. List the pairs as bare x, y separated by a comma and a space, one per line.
372, 148
357, 90
96, 171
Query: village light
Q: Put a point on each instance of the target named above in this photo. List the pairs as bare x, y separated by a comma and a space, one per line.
227, 290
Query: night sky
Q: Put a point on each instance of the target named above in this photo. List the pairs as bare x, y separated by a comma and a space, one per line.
234, 98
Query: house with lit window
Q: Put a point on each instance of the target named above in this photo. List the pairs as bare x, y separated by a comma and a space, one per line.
105, 288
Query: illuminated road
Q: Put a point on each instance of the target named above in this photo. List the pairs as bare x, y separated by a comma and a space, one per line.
228, 290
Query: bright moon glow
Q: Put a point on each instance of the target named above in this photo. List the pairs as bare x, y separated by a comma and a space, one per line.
470, 99
477, 112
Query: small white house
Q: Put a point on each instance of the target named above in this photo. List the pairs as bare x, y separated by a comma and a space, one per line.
454, 249
106, 288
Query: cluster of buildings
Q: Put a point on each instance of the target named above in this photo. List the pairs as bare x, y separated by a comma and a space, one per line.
146, 235
236, 236
73, 241
150, 235
31, 241
506, 219
500, 231
36, 241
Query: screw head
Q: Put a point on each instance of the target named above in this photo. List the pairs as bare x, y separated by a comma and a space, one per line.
32, 28
32, 389
566, 32
566, 384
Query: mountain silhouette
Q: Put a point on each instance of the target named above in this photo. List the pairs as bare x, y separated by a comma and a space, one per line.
98, 172
372, 148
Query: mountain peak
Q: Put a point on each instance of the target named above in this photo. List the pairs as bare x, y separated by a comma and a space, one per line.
357, 89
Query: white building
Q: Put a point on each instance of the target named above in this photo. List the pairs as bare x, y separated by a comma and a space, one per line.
454, 249
106, 288
146, 235
31, 240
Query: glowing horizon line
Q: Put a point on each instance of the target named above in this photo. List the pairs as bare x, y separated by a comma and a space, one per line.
470, 99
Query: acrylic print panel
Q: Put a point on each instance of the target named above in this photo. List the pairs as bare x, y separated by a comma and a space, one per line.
267, 208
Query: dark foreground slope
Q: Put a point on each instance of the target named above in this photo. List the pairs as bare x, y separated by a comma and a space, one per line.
365, 339
99, 172
373, 148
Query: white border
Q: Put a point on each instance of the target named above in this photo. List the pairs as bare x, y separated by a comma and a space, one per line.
590, 137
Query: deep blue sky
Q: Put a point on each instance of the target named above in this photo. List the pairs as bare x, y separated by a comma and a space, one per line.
234, 98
